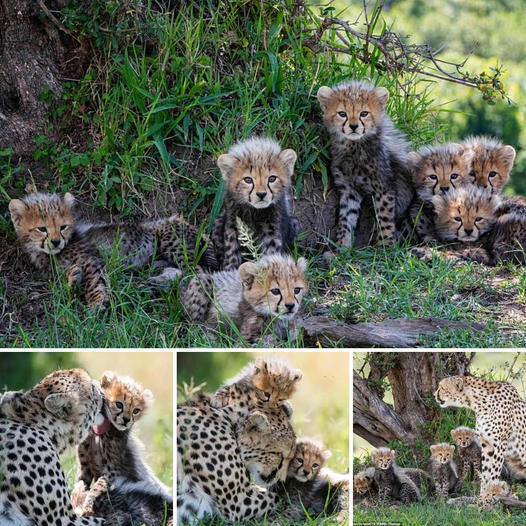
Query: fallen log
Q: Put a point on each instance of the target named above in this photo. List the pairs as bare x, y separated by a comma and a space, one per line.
402, 332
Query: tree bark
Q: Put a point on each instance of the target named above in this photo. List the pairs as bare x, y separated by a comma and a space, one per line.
413, 378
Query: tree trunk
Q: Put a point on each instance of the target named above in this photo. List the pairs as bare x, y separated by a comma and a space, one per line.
413, 378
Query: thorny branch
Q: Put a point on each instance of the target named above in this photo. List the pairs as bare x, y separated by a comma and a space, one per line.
396, 57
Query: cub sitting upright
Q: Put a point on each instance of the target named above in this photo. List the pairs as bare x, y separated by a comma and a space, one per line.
469, 452
368, 157
258, 176
252, 297
443, 469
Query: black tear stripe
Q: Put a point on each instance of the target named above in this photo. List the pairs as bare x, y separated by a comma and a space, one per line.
274, 472
250, 193
270, 189
434, 187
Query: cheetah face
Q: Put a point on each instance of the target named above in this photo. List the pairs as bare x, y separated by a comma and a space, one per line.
491, 167
463, 437
442, 453
43, 222
308, 459
274, 286
465, 215
452, 392
126, 400
266, 443
353, 111
257, 172
383, 458
439, 170
362, 483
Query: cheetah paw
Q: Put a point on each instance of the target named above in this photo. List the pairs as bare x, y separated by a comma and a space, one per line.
422, 253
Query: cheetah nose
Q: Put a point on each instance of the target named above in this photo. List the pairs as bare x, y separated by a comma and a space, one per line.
125, 420
55, 242
444, 189
290, 306
468, 231
353, 127
305, 472
261, 195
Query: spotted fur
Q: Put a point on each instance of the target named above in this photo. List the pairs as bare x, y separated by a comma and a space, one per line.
393, 484
111, 459
36, 426
258, 179
500, 420
469, 453
443, 469
268, 379
368, 157
258, 297
365, 490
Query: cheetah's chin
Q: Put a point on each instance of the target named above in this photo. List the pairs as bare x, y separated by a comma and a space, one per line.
261, 204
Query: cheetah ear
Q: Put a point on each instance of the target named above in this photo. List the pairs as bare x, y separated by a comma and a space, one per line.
257, 423
248, 272
148, 397
433, 448
107, 379
301, 264
383, 95
413, 159
261, 365
467, 154
62, 405
459, 384
226, 164
17, 207
324, 95
507, 154
297, 375
286, 407
288, 158
69, 200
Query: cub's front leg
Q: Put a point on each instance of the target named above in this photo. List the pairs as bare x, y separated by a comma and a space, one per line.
385, 201
350, 201
232, 253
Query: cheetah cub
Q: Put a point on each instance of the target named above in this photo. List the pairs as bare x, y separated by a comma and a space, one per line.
443, 469
258, 178
469, 452
436, 170
392, 482
258, 296
45, 227
491, 163
270, 380
365, 491
368, 157
313, 487
494, 491
110, 458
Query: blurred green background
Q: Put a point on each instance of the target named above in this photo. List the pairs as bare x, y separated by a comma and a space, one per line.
494, 364
154, 370
321, 401
493, 33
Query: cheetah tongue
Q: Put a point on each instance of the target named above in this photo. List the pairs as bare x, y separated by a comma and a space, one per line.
102, 428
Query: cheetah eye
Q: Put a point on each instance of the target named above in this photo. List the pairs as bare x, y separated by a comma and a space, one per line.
267, 395
454, 176
315, 465
342, 114
477, 219
276, 292
300, 461
433, 177
297, 290
272, 178
458, 219
473, 174
64, 227
492, 174
364, 114
119, 405
136, 411
42, 229
248, 180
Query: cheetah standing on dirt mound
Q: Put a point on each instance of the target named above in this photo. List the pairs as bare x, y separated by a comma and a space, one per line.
368, 157
258, 177
500, 421
35, 427
220, 449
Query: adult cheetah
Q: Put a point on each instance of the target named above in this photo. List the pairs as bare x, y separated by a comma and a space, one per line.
35, 427
500, 421
219, 449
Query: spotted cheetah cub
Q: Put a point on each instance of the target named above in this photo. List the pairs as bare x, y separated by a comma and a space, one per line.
469, 452
311, 486
258, 296
494, 491
45, 228
443, 469
110, 458
365, 491
368, 157
491, 163
393, 484
270, 380
258, 178
436, 170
